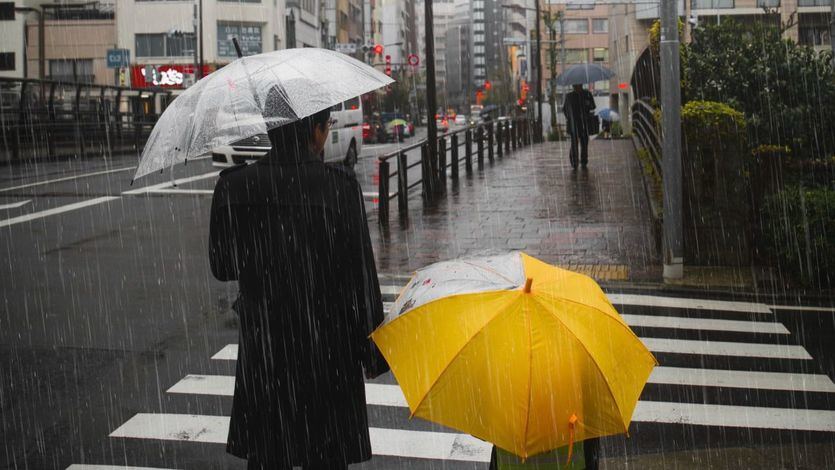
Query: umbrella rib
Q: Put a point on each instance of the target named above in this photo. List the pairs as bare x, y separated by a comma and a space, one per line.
530, 379
599, 370
455, 356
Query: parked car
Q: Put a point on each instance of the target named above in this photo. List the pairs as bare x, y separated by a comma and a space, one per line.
409, 128
373, 132
344, 140
443, 123
460, 120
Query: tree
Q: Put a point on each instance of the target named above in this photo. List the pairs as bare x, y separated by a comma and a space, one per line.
785, 90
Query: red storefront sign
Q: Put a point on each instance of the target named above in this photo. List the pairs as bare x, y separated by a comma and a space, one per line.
166, 76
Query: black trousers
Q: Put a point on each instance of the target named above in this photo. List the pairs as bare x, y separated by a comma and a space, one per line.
591, 453
581, 140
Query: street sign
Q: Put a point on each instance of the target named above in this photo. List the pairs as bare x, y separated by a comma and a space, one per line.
414, 60
118, 58
346, 47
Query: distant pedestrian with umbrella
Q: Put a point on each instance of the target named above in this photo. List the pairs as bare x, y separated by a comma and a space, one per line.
292, 232
607, 116
578, 108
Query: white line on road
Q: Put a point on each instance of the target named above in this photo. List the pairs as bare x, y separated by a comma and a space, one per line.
705, 324
169, 184
68, 178
182, 191
694, 304
391, 442
741, 379
76, 466
14, 205
56, 210
735, 416
375, 195
802, 309
664, 345
724, 348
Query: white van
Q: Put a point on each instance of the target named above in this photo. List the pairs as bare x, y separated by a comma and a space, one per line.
344, 142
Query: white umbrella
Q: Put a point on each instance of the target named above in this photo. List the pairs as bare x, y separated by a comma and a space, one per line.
250, 96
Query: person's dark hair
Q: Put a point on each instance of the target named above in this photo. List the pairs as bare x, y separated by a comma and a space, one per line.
295, 137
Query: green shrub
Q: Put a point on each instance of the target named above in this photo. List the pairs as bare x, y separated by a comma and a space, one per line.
616, 130
798, 227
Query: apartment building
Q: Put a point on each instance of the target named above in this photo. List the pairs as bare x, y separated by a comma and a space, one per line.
305, 23
160, 33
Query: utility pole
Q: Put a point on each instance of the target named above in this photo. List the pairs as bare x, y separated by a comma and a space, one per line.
673, 244
832, 30
194, 22
200, 39
537, 136
431, 103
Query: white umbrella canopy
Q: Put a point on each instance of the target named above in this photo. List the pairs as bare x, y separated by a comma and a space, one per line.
250, 96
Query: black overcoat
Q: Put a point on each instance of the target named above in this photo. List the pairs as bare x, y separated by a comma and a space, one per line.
577, 108
292, 231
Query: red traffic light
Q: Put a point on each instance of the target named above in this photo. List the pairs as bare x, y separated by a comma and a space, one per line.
378, 49
487, 85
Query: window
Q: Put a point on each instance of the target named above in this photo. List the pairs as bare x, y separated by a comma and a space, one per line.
712, 4
813, 34
7, 61
600, 54
600, 25
576, 27
178, 46
768, 3
150, 45
579, 6
71, 70
576, 56
813, 3
242, 1
249, 37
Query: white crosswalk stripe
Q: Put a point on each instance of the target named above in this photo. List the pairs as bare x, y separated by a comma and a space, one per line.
759, 341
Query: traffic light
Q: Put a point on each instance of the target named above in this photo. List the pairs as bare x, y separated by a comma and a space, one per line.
378, 49
388, 65
487, 85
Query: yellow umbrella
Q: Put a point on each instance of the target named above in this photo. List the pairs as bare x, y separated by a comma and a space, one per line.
514, 351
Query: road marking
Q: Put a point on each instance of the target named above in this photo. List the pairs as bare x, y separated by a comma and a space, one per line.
221, 385
56, 210
391, 442
67, 178
182, 191
802, 309
705, 324
76, 466
693, 304
735, 416
169, 184
724, 348
376, 195
741, 379
14, 205
390, 290
664, 345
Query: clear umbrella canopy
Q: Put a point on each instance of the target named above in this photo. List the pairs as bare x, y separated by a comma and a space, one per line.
250, 96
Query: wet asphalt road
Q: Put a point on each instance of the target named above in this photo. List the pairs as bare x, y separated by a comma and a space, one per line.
108, 301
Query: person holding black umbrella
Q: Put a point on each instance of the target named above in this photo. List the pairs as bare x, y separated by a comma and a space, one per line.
578, 108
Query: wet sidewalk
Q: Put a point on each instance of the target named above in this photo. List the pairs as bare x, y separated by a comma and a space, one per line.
595, 221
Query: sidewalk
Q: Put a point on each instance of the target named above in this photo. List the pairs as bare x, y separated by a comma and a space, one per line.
594, 221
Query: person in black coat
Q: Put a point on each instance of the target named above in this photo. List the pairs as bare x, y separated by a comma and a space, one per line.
292, 231
578, 105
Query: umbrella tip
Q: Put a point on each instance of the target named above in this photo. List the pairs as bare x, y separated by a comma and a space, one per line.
528, 284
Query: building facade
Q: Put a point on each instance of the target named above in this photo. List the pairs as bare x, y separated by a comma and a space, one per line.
458, 61
160, 34
399, 29
443, 12
305, 22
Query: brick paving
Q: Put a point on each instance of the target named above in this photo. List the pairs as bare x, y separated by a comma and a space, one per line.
595, 221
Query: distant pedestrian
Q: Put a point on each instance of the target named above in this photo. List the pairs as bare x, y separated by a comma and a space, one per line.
578, 108
292, 231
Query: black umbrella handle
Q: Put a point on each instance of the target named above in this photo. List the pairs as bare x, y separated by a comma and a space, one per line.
237, 47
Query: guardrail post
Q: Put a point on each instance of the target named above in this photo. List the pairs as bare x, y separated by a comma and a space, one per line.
454, 144
507, 137
442, 165
468, 151
499, 139
402, 184
383, 192
514, 129
490, 142
426, 172
480, 142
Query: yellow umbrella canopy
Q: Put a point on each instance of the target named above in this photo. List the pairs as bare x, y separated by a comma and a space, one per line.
514, 351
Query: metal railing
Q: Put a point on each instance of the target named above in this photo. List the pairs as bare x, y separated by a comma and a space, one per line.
645, 132
497, 138
48, 118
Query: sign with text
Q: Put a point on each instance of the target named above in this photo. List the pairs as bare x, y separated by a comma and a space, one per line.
166, 76
117, 58
249, 38
346, 48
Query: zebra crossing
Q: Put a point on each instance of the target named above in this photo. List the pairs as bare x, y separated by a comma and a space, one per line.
724, 365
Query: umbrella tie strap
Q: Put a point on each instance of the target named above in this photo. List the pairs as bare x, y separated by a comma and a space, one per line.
571, 422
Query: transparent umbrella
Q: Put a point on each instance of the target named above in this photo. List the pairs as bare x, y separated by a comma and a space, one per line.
250, 96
